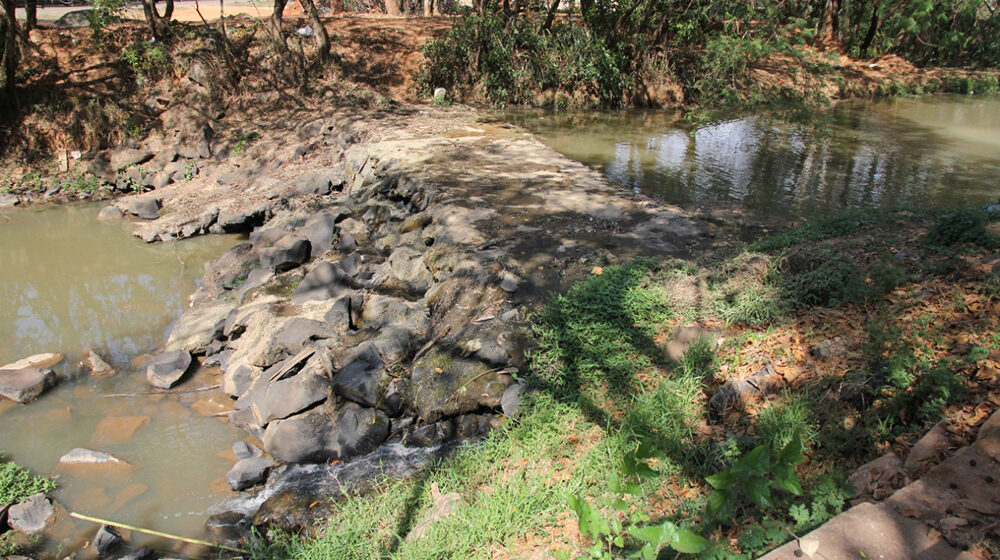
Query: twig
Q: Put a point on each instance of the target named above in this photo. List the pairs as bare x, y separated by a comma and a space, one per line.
160, 394
157, 533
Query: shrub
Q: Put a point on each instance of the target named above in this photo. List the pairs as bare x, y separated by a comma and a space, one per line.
964, 226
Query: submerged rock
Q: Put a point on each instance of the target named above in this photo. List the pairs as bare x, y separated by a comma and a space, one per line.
81, 456
109, 214
25, 385
166, 370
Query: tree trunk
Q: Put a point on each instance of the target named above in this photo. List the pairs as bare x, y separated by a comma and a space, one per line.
152, 16
550, 16
830, 22
392, 7
428, 8
10, 53
336, 6
168, 11
276, 33
31, 14
872, 28
319, 31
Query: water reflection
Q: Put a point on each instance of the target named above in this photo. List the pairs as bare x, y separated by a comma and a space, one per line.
941, 151
68, 281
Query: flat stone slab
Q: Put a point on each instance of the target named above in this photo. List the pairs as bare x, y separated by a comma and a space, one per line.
38, 361
118, 429
32, 515
870, 531
25, 385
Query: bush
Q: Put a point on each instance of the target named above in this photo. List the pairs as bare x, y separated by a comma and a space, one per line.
965, 226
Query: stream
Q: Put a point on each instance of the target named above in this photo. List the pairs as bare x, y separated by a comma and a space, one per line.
68, 282
925, 151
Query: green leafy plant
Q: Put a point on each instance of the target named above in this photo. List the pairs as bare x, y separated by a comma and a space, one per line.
609, 534
83, 183
753, 477
104, 13
148, 60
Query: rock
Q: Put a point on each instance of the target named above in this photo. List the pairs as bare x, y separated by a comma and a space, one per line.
358, 381
317, 183
509, 283
237, 379
879, 478
440, 94
106, 540
75, 18
248, 472
406, 265
269, 401
96, 365
81, 456
243, 450
510, 401
415, 222
442, 506
298, 332
197, 74
9, 201
319, 229
993, 210
735, 393
127, 157
990, 426
287, 253
117, 429
160, 179
326, 433
309, 129
444, 385
25, 385
109, 214
928, 448
229, 528
198, 327
145, 207
166, 370
828, 349
241, 220
32, 515
37, 361
682, 339
141, 554
326, 280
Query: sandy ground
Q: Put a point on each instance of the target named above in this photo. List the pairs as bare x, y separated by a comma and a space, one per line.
183, 11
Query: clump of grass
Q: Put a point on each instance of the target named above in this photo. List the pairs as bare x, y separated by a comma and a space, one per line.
964, 226
781, 420
16, 483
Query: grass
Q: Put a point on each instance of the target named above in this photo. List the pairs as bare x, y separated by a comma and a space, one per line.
604, 390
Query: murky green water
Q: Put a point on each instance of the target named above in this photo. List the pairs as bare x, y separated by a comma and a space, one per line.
941, 151
67, 282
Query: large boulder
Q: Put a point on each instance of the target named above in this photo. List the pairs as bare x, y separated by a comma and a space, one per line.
127, 157
274, 400
446, 385
198, 327
287, 253
25, 385
320, 229
32, 515
326, 433
406, 266
326, 281
166, 370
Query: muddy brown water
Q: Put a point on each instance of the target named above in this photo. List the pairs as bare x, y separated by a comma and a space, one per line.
67, 282
926, 151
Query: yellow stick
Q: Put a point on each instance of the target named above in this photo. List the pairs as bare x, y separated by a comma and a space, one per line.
156, 533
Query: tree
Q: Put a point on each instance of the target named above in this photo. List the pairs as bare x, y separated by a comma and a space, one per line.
8, 50
319, 30
31, 14
158, 25
276, 15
